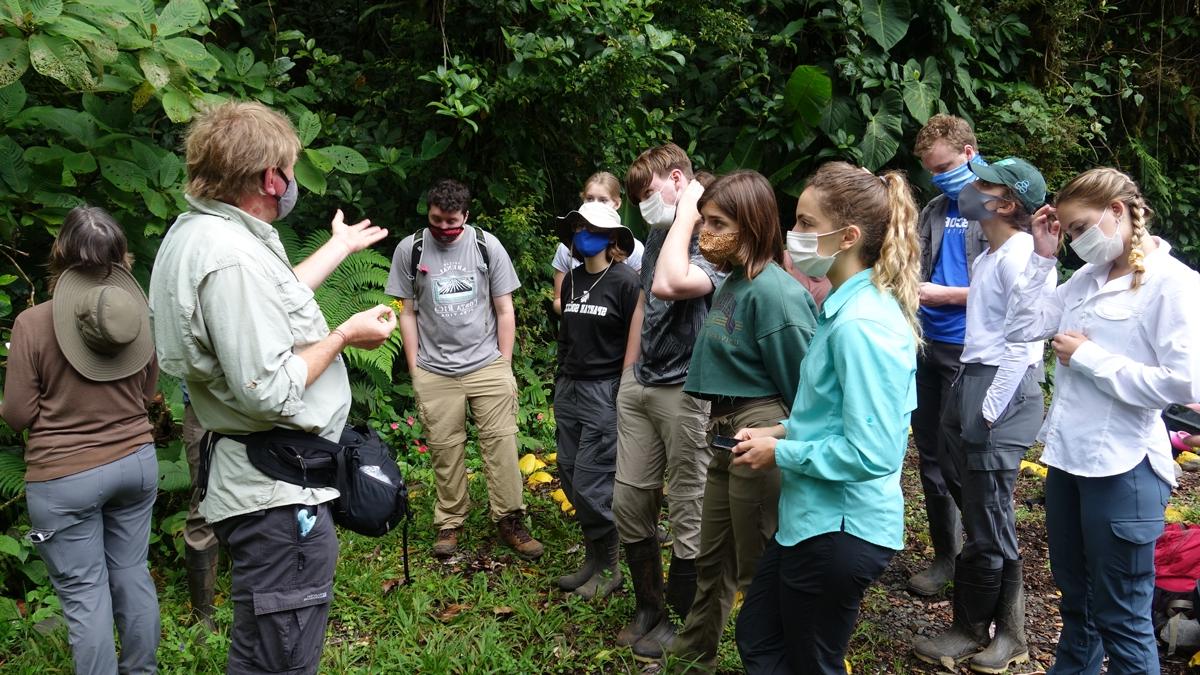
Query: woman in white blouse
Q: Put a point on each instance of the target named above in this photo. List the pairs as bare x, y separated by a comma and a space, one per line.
1125, 346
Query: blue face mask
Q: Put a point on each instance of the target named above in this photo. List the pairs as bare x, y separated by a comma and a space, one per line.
588, 244
953, 181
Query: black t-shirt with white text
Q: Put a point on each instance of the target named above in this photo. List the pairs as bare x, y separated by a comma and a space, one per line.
594, 331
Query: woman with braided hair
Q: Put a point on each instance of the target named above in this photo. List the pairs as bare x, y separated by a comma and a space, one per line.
1125, 351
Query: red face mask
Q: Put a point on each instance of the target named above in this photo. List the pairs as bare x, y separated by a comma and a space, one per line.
446, 235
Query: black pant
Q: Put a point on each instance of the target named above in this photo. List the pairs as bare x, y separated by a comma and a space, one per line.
801, 608
937, 366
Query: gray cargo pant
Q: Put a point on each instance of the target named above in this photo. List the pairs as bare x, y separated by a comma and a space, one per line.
282, 587
986, 460
586, 414
92, 529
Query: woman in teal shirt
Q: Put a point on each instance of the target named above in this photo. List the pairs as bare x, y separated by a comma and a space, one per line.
841, 512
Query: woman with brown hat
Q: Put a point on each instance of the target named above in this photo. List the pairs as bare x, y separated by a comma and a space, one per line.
81, 370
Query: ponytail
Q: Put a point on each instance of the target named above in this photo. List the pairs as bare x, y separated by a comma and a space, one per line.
898, 269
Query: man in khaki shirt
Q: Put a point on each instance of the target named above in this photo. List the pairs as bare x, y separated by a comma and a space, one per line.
239, 324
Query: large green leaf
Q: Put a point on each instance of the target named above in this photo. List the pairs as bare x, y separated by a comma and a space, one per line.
319, 161
12, 547
176, 105
180, 15
309, 176
808, 93
44, 11
57, 57
126, 176
155, 68
192, 55
309, 126
13, 169
881, 138
922, 88
70, 27
886, 21
14, 60
12, 100
346, 160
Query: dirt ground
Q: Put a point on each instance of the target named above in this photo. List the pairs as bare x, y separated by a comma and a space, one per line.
895, 617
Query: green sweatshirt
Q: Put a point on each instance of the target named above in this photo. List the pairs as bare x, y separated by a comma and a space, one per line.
754, 338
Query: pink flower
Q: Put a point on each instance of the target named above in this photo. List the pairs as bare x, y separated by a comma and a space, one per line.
394, 425
410, 421
423, 268
422, 449
540, 417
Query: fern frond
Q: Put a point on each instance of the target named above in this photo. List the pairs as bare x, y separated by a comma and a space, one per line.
12, 474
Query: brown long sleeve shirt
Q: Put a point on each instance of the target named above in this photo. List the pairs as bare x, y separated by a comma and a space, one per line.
74, 424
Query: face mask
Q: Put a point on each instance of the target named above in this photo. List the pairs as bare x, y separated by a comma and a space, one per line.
1095, 248
972, 204
656, 212
953, 181
588, 244
287, 201
802, 247
446, 235
718, 249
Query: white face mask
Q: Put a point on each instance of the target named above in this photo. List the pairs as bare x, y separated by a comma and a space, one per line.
656, 212
802, 247
1095, 248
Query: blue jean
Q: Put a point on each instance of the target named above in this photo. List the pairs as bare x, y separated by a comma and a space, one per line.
1102, 533
92, 529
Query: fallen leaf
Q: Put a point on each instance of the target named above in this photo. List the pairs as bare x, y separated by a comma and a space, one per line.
502, 612
389, 585
452, 610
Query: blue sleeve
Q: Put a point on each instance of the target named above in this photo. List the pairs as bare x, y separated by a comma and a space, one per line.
877, 384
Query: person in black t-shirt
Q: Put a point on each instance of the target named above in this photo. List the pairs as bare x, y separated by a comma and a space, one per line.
599, 337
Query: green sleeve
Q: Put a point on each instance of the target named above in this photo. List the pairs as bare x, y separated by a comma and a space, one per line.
784, 347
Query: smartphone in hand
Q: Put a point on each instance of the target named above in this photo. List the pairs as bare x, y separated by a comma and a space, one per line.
724, 442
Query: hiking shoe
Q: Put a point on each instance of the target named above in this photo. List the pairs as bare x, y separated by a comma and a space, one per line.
513, 532
447, 542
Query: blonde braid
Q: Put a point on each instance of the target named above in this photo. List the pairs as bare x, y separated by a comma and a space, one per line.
1137, 257
898, 269
1100, 187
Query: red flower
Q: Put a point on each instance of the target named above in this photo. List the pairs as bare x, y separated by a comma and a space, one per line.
395, 425
540, 417
422, 449
423, 268
410, 421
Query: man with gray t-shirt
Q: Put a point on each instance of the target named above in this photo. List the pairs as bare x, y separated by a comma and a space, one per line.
458, 326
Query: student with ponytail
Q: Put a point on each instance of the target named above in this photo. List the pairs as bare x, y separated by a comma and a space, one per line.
1126, 349
841, 510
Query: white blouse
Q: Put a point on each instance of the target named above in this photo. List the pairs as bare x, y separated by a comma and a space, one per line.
1141, 355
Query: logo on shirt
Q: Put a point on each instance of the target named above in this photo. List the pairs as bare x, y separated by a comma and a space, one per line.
956, 223
580, 308
454, 291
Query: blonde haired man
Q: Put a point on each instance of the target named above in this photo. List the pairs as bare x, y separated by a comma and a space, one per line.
237, 323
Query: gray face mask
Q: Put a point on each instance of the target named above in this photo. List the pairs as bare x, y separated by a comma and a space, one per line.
287, 201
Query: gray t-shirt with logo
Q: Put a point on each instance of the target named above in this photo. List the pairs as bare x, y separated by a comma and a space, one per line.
456, 322
669, 328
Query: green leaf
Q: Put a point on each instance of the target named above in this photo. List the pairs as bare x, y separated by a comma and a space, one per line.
881, 138
309, 127
80, 162
958, 25
922, 88
320, 162
156, 203
12, 547
12, 100
185, 50
432, 146
169, 167
155, 68
6, 279
808, 93
126, 176
57, 57
886, 21
309, 176
70, 27
14, 60
44, 11
346, 160
177, 106
180, 15
13, 169
245, 60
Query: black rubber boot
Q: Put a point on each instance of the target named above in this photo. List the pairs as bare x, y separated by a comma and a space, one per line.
570, 582
655, 643
976, 591
945, 531
1009, 646
681, 585
645, 571
606, 574
201, 578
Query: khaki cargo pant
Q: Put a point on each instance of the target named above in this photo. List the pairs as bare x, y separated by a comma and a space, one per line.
491, 392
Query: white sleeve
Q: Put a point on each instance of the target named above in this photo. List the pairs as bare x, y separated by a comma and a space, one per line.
635, 260
1035, 307
563, 262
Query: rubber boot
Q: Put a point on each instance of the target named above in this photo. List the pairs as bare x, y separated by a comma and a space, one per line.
976, 591
656, 642
201, 577
945, 531
606, 574
645, 571
681, 586
1009, 646
570, 582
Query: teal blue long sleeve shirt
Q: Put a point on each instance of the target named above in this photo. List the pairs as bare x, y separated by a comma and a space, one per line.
848, 429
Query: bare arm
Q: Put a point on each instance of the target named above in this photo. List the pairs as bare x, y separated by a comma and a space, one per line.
675, 277
506, 324
346, 239
366, 330
408, 332
633, 344
558, 280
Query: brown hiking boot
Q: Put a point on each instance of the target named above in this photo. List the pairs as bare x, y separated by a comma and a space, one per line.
513, 532
447, 542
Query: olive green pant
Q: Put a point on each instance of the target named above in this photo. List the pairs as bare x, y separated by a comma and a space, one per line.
740, 515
